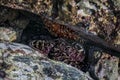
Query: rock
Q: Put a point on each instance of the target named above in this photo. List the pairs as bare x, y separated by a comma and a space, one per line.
91, 13
7, 34
102, 65
117, 40
97, 16
117, 4
7, 15
20, 62
107, 68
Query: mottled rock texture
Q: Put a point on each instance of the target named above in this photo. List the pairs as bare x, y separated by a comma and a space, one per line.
100, 17
7, 34
20, 62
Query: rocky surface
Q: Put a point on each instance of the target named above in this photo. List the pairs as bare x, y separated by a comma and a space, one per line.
107, 68
101, 17
7, 34
20, 62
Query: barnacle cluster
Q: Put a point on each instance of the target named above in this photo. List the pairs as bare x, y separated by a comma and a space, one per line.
60, 50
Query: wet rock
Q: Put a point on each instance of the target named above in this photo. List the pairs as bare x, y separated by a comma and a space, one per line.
24, 63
